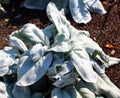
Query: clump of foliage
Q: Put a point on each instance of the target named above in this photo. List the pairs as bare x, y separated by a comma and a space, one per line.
58, 61
80, 10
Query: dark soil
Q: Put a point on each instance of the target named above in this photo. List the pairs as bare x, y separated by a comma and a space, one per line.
110, 35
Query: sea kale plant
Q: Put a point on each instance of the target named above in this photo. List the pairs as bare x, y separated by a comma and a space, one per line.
58, 61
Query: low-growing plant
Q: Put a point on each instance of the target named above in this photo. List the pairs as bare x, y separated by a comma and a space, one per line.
58, 61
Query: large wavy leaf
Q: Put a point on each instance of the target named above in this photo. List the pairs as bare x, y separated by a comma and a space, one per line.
30, 71
81, 61
14, 41
79, 12
94, 6
59, 20
35, 34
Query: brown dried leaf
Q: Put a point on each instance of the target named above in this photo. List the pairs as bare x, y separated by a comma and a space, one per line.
110, 46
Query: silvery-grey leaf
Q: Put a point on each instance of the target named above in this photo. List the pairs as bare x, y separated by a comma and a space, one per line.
14, 41
21, 92
19, 34
59, 93
3, 91
58, 59
35, 34
30, 72
79, 12
81, 62
71, 90
63, 69
61, 47
100, 87
109, 82
65, 80
37, 51
5, 62
22, 59
112, 61
59, 20
48, 31
36, 4
95, 6
86, 93
91, 47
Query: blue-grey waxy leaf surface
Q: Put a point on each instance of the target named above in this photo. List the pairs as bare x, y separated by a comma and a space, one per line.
30, 71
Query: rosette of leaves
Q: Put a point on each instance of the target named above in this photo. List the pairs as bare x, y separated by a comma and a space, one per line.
59, 56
